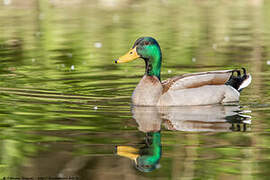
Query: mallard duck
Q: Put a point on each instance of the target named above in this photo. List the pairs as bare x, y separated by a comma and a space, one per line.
189, 89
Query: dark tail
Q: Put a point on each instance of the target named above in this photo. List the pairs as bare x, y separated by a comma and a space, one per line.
240, 80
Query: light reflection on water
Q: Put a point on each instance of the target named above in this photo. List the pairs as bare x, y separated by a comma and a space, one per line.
65, 105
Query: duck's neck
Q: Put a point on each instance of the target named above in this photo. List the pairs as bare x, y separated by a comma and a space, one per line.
153, 63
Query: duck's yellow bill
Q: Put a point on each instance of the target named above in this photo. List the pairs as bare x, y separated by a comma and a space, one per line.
131, 55
128, 152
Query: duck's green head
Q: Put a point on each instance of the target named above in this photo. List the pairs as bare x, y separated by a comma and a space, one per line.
148, 49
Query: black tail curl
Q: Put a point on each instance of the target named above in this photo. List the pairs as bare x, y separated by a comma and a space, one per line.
236, 80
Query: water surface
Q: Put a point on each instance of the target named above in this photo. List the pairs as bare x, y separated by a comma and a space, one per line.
65, 106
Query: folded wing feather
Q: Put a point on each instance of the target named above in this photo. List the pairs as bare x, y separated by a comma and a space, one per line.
194, 80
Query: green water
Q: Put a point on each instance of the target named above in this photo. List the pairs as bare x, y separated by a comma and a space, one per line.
65, 106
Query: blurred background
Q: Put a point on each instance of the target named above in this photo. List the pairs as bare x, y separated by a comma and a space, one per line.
64, 105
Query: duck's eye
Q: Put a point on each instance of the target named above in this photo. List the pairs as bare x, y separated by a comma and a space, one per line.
131, 52
146, 43
147, 166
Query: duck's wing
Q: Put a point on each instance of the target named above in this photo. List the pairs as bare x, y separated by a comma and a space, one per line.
194, 80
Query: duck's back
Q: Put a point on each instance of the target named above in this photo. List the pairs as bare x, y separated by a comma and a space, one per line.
203, 88
208, 94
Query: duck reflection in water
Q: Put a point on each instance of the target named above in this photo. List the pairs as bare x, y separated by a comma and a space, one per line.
214, 118
146, 159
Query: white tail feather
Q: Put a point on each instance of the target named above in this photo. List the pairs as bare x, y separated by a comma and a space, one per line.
245, 83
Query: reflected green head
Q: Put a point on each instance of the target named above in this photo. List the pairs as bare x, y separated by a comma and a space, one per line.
149, 160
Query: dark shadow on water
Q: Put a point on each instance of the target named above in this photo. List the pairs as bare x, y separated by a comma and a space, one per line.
150, 120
